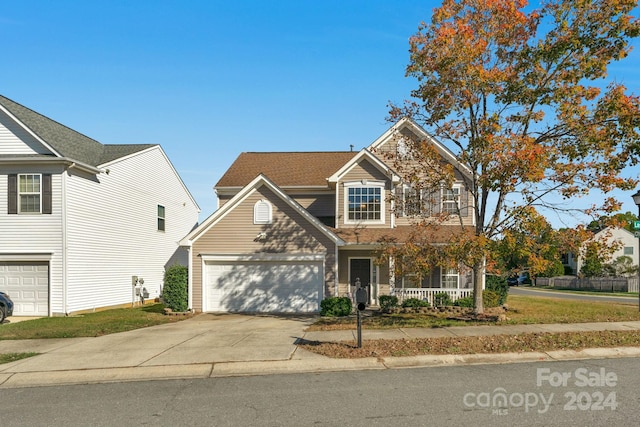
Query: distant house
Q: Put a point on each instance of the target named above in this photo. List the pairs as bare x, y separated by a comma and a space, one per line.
84, 225
295, 227
627, 246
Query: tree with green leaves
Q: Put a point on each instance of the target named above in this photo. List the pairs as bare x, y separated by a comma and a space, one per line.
521, 95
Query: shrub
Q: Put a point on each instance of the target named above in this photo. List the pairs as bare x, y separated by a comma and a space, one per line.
414, 303
388, 302
335, 307
490, 298
175, 291
464, 302
442, 299
498, 285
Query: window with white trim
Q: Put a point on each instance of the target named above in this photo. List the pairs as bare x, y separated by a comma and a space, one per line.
449, 278
412, 202
364, 202
403, 150
262, 212
29, 193
628, 250
450, 200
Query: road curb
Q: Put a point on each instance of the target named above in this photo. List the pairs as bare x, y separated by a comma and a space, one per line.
292, 366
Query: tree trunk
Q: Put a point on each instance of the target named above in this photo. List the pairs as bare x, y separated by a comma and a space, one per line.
478, 281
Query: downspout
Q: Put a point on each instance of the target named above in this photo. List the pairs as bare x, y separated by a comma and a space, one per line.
64, 245
190, 279
336, 272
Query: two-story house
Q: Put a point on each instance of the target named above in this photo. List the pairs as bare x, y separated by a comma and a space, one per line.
624, 242
84, 225
293, 228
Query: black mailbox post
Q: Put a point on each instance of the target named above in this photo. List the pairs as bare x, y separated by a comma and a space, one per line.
361, 302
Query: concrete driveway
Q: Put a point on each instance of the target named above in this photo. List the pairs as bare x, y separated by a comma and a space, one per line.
203, 339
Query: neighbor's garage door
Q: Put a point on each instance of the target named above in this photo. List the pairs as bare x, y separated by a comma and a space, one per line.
27, 283
265, 286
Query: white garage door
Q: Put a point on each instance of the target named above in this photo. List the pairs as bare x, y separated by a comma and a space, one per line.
264, 286
28, 286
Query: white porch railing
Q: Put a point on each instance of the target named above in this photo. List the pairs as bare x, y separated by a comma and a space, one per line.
427, 294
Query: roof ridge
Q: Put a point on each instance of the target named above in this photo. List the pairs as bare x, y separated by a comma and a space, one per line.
46, 117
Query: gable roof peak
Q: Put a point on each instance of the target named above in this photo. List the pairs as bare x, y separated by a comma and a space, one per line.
64, 141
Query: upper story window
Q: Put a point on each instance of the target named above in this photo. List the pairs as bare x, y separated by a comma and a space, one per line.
425, 202
628, 250
262, 212
29, 193
451, 199
403, 150
364, 201
412, 202
161, 218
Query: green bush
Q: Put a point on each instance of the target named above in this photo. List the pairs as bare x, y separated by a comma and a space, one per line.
490, 298
335, 307
388, 302
175, 291
498, 285
464, 302
414, 303
554, 270
442, 299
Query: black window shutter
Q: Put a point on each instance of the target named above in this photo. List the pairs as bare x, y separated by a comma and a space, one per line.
12, 205
46, 193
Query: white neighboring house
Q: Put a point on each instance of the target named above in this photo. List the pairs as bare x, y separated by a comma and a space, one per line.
79, 220
628, 245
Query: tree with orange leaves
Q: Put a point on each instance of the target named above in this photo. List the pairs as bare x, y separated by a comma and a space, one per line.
517, 93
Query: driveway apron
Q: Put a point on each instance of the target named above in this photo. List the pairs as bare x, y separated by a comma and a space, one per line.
205, 338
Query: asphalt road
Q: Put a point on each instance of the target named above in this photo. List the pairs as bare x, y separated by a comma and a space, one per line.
586, 392
519, 290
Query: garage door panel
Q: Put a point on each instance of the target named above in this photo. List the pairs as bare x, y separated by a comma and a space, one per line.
263, 286
27, 283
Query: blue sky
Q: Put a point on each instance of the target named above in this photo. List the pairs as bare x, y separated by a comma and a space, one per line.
210, 79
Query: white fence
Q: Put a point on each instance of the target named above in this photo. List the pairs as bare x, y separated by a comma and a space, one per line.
427, 294
607, 284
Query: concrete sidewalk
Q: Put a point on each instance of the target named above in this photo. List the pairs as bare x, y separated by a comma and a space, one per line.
210, 345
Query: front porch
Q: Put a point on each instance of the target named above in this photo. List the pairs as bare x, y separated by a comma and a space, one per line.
427, 294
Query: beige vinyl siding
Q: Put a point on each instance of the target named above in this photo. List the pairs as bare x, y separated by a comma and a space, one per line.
15, 139
235, 233
35, 233
318, 205
363, 170
466, 198
113, 233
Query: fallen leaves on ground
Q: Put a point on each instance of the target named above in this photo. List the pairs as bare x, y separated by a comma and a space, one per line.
476, 345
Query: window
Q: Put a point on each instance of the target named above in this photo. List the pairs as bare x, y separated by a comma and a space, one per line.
161, 218
262, 212
450, 278
411, 202
450, 200
628, 250
364, 203
403, 150
29, 193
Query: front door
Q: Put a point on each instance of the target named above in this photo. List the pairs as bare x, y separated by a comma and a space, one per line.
360, 270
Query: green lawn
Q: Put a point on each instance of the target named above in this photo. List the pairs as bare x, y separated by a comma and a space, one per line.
88, 325
521, 310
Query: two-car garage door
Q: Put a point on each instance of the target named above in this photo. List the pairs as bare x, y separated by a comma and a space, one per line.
27, 283
276, 286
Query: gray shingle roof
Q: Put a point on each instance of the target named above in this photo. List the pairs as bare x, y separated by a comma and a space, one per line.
66, 141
